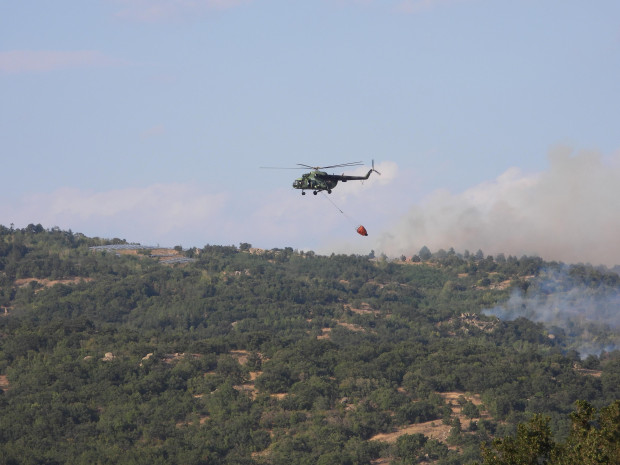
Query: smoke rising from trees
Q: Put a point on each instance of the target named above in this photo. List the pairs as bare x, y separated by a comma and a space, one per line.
579, 303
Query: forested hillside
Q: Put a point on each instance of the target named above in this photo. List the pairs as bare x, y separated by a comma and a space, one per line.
246, 356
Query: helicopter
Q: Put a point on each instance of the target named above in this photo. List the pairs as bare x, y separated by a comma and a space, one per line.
317, 180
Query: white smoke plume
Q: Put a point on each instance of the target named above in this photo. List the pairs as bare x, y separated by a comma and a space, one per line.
588, 314
569, 213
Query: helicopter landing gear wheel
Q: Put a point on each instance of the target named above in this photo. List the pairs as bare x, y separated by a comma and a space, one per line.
329, 191
303, 193
315, 192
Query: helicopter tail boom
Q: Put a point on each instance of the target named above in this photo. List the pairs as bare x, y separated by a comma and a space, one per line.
344, 178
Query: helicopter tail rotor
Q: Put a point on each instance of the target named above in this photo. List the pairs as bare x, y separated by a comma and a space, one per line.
373, 168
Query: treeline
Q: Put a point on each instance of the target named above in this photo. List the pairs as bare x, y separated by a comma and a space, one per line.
272, 357
593, 439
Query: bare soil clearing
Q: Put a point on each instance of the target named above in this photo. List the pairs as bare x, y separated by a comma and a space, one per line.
436, 429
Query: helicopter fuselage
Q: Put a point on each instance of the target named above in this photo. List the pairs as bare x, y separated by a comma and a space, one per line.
321, 181
316, 181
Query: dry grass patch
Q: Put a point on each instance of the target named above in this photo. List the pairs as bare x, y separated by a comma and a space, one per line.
432, 429
586, 372
4, 382
364, 309
51, 282
172, 358
240, 355
325, 332
248, 389
436, 429
453, 397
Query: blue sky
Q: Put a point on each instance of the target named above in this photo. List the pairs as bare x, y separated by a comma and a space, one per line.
494, 123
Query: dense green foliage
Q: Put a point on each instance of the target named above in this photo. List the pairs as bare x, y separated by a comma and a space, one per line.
272, 357
594, 439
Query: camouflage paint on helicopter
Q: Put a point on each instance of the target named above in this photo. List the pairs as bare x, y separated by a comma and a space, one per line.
318, 181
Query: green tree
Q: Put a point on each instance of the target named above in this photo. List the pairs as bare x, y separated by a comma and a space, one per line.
425, 253
532, 445
470, 410
408, 446
594, 440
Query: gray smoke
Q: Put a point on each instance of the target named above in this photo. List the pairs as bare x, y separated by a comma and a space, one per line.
586, 315
569, 213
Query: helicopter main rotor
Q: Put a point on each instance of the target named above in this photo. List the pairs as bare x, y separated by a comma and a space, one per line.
302, 166
316, 168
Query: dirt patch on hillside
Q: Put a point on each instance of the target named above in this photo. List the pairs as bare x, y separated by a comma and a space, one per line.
177, 356
240, 355
586, 372
51, 282
4, 382
431, 429
364, 309
164, 252
468, 320
126, 252
248, 389
326, 332
436, 429
454, 400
